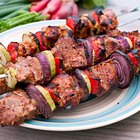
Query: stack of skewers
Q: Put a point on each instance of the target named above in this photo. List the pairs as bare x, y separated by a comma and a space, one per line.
61, 66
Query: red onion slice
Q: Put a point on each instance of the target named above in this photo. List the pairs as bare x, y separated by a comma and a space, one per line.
42, 104
124, 68
124, 43
45, 67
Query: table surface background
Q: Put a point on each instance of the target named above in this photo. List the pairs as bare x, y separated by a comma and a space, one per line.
125, 130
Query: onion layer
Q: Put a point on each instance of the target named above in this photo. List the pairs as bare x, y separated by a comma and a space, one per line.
42, 104
45, 67
124, 68
124, 43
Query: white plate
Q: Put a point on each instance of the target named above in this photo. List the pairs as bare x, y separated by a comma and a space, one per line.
95, 113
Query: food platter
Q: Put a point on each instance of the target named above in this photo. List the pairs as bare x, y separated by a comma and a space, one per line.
98, 112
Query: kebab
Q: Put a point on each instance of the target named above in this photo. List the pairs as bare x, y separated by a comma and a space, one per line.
45, 65
67, 90
96, 23
45, 39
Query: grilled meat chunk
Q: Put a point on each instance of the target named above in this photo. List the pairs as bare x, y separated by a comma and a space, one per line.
106, 73
67, 90
28, 69
52, 33
16, 107
108, 20
72, 54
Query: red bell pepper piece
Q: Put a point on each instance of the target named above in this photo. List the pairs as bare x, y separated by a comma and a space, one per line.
57, 63
14, 55
41, 39
95, 84
71, 22
99, 55
54, 97
133, 59
95, 17
12, 49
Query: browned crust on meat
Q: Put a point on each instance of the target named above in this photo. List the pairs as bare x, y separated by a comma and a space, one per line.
16, 108
72, 54
107, 75
67, 90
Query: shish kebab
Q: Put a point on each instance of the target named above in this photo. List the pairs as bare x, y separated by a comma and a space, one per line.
45, 39
73, 54
67, 90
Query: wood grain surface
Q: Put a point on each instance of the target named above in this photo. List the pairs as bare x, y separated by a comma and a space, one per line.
128, 129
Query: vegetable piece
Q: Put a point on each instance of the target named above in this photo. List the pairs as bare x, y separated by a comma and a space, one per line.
37, 7
14, 14
52, 7
12, 49
42, 40
124, 68
11, 8
130, 42
84, 82
31, 38
95, 84
125, 42
54, 97
1, 69
64, 11
5, 52
72, 21
98, 53
47, 96
42, 104
45, 67
51, 61
58, 66
88, 51
134, 56
11, 79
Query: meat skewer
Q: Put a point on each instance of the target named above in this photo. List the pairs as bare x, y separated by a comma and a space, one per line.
45, 39
96, 23
82, 53
117, 71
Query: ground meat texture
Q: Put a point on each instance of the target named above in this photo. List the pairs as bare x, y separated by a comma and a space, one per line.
73, 55
106, 73
16, 107
66, 88
108, 21
28, 70
52, 34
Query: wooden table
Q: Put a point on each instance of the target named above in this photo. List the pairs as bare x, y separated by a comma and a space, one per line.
125, 130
